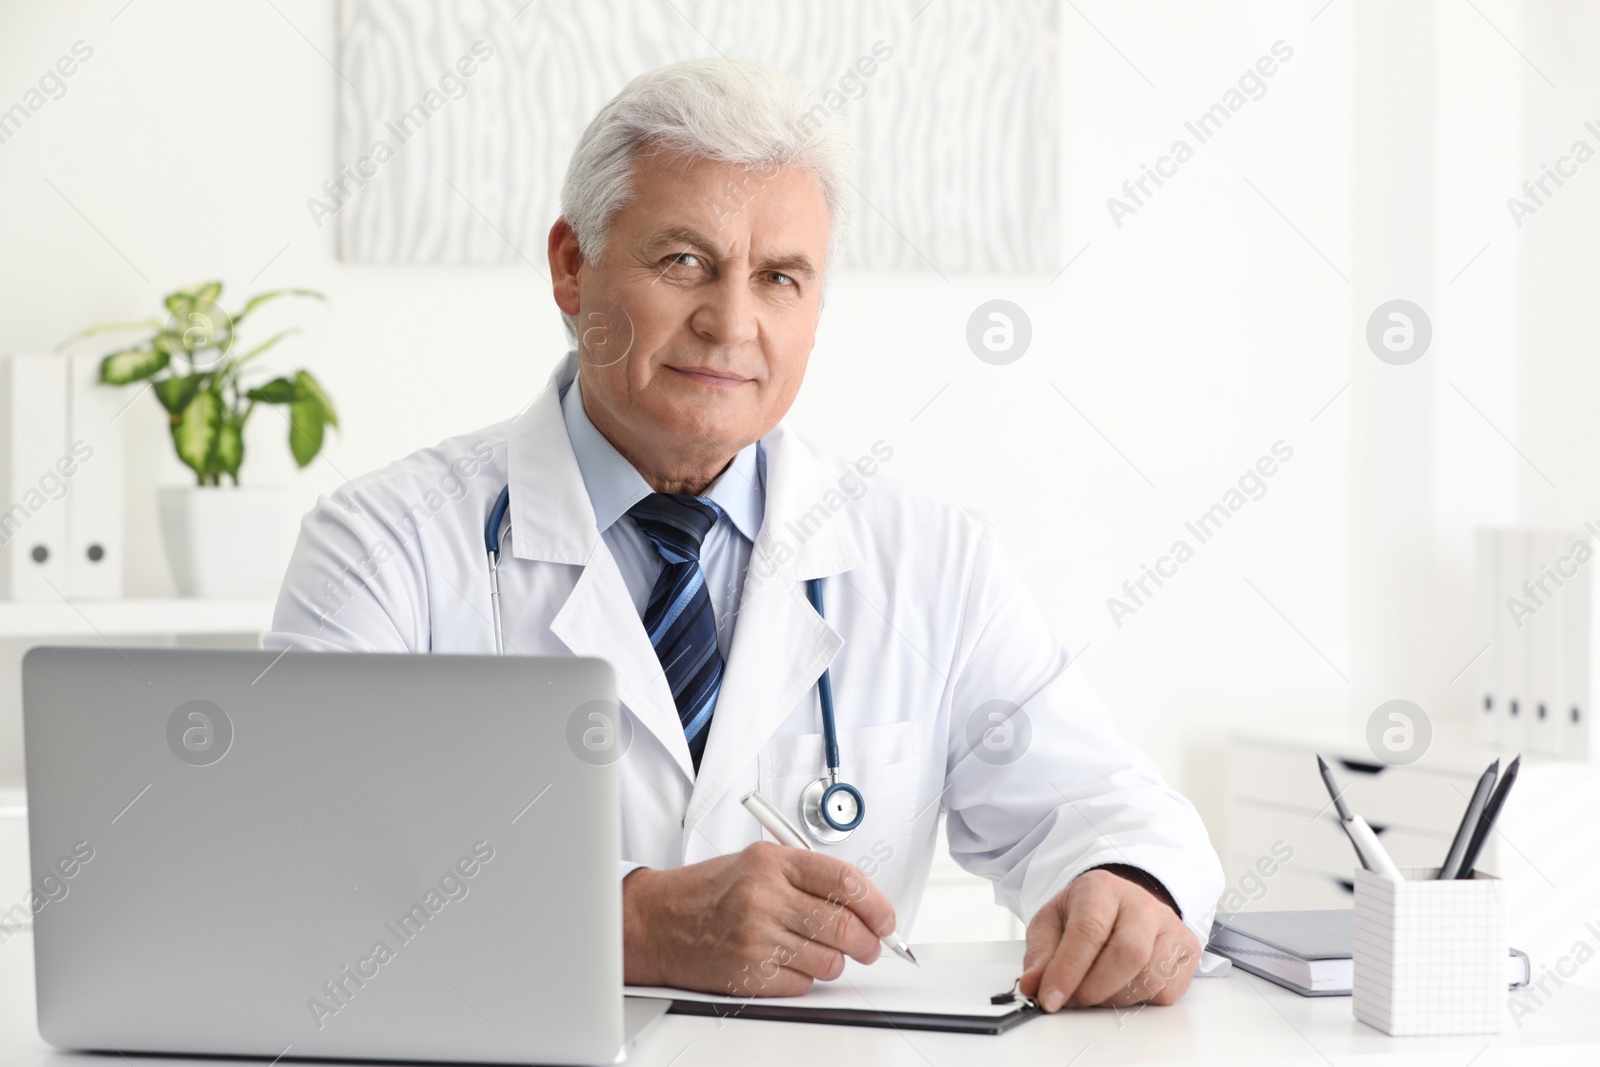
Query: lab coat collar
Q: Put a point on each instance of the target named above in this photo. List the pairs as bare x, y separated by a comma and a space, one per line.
552, 519
780, 644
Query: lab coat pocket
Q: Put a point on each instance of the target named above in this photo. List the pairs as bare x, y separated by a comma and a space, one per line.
883, 762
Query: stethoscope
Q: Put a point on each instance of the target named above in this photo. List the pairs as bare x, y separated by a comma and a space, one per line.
830, 809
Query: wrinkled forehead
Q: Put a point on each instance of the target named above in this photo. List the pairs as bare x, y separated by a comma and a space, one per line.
725, 210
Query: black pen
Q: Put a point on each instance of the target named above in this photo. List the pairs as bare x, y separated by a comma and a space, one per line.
1342, 808
1491, 812
1469, 822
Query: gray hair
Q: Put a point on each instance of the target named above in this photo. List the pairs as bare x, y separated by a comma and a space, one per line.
728, 111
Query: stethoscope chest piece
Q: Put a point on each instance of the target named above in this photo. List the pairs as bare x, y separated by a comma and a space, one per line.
831, 810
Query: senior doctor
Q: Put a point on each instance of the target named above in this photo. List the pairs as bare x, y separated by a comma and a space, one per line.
663, 517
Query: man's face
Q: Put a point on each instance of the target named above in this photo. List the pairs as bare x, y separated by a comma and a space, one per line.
696, 326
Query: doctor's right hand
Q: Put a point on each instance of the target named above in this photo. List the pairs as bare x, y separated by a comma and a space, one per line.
764, 922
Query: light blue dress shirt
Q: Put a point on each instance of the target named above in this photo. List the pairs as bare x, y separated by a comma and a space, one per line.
615, 486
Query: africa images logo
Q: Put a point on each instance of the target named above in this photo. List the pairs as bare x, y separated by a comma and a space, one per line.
199, 733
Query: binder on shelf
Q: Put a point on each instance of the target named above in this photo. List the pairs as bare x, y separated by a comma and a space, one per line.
33, 518
1546, 548
1486, 551
1578, 659
1512, 641
94, 440
1538, 602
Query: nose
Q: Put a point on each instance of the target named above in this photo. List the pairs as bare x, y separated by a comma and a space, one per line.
727, 317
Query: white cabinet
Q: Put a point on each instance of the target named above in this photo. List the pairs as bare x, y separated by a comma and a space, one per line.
97, 621
1544, 844
1276, 798
13, 862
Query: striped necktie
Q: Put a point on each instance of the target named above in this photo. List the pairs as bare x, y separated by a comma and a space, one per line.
678, 617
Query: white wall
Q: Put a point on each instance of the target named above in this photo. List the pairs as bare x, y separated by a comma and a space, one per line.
1192, 338
1211, 324
1561, 316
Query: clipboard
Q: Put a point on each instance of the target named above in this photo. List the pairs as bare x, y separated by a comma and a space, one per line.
942, 995
897, 1020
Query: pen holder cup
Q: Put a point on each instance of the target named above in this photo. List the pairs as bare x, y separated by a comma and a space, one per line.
1430, 956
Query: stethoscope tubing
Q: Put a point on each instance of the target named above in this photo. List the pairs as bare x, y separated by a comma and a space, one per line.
491, 544
830, 732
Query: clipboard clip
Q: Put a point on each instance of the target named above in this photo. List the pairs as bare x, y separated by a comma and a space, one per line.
1014, 995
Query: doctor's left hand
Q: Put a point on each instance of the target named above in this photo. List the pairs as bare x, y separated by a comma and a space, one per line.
1107, 941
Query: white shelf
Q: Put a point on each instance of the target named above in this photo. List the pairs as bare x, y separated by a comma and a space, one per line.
91, 618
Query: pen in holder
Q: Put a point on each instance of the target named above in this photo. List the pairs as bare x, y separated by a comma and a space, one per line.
1430, 956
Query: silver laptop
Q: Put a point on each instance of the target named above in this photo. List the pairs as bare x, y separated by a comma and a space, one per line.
327, 855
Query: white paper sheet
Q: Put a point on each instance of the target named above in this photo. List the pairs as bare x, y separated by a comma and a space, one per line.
938, 987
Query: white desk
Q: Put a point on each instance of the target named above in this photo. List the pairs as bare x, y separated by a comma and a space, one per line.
1230, 1020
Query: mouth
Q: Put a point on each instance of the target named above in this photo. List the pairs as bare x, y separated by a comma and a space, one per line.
716, 379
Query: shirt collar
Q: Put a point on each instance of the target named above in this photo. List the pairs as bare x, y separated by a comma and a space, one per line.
615, 486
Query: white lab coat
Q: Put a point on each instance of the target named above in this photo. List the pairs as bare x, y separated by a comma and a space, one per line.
926, 624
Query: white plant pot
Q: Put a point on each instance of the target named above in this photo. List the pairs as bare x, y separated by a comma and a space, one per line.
226, 541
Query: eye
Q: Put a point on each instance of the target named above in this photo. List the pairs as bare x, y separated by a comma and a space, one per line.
683, 259
780, 279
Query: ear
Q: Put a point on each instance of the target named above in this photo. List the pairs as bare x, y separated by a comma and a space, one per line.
565, 264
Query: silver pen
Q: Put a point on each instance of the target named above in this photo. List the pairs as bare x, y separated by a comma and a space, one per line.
773, 821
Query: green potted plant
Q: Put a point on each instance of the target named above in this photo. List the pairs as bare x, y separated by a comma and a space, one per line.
222, 539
